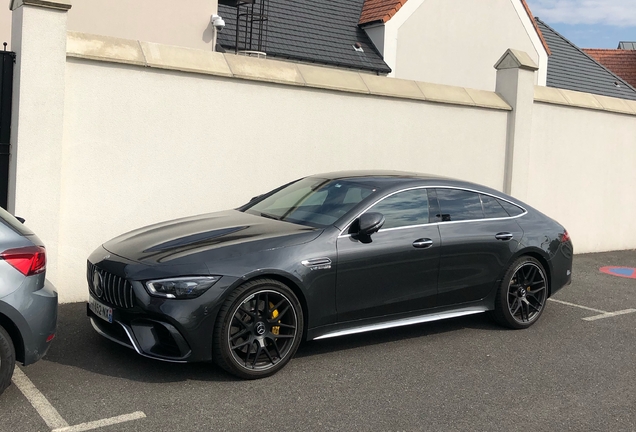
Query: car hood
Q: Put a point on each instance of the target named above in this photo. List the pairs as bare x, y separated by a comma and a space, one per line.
183, 239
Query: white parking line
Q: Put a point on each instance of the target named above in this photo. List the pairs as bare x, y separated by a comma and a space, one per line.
101, 423
603, 314
578, 306
609, 315
52, 418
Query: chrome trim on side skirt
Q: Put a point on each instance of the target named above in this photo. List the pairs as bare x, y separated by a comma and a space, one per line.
405, 322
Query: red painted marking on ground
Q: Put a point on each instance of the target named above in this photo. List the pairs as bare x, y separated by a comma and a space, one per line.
624, 272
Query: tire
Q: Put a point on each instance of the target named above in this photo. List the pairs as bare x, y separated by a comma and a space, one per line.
7, 359
522, 295
258, 329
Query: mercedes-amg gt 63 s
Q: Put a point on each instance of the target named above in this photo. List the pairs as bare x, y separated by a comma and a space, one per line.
327, 255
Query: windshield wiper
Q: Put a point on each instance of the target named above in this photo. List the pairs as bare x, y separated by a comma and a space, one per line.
269, 216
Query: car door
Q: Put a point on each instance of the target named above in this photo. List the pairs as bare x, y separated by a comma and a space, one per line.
395, 269
479, 237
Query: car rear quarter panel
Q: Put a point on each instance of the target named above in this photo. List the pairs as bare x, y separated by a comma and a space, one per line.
542, 237
33, 311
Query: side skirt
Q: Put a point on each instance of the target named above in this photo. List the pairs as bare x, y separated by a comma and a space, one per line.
436, 316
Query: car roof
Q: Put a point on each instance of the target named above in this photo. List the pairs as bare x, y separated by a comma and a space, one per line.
388, 179
378, 176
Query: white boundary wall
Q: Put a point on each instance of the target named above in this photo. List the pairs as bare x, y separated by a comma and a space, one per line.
583, 173
142, 146
144, 132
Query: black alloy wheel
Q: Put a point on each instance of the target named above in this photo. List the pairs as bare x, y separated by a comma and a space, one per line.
259, 329
7, 359
522, 295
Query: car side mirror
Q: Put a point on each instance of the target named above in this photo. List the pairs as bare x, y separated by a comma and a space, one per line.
370, 223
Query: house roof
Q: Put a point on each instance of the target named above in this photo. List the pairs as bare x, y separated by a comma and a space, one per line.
322, 32
627, 45
536, 26
621, 62
379, 10
571, 69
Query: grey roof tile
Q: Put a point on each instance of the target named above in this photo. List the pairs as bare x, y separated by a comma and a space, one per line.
571, 69
320, 31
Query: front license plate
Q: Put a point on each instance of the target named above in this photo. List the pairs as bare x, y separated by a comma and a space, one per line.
102, 311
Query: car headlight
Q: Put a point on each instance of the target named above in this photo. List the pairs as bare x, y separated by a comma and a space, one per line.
181, 288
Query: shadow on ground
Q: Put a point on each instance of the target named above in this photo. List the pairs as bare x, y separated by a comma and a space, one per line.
78, 345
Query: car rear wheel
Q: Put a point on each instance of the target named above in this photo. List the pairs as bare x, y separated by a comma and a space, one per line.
258, 329
7, 359
522, 295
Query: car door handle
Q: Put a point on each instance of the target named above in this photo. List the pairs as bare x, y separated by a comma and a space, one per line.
423, 243
504, 236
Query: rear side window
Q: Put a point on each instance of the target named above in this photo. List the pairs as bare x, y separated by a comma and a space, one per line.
459, 205
492, 208
13, 223
403, 209
512, 209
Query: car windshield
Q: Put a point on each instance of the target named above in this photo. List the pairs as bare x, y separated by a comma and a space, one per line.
312, 201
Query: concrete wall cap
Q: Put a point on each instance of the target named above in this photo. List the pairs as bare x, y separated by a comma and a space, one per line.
264, 70
487, 99
148, 54
185, 59
336, 79
49, 4
383, 86
614, 105
583, 100
445, 94
515, 59
549, 95
105, 48
631, 104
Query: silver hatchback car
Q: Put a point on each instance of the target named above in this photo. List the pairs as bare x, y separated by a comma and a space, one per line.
28, 302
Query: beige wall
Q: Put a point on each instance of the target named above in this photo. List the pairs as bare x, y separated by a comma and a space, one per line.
125, 137
142, 145
582, 170
5, 23
457, 42
171, 22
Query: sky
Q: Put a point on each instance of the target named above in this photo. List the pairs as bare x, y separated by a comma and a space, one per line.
589, 23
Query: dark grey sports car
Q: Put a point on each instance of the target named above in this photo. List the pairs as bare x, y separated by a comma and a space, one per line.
324, 256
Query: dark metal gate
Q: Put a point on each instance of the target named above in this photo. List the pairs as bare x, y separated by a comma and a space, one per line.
7, 59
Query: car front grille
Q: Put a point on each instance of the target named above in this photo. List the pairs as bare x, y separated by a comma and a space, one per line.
113, 290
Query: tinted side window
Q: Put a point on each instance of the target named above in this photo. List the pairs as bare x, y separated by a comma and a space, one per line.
403, 209
492, 208
512, 209
458, 205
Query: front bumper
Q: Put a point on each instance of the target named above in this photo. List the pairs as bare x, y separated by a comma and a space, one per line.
164, 329
148, 337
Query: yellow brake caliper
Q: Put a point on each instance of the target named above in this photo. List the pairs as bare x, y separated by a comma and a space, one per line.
275, 329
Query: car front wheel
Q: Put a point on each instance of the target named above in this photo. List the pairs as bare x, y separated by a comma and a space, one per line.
258, 329
7, 359
522, 295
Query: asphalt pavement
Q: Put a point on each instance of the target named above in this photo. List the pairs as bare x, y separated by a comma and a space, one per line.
465, 374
